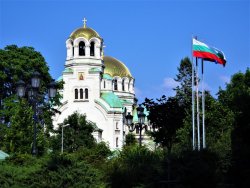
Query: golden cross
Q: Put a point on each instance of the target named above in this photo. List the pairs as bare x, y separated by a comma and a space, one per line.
84, 22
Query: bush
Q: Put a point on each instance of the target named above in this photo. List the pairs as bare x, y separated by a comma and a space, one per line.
135, 166
67, 170
130, 139
21, 159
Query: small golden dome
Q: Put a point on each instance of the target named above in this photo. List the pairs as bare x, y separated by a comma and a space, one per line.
85, 32
114, 67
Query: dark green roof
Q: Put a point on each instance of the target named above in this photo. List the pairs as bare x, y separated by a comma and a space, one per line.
111, 99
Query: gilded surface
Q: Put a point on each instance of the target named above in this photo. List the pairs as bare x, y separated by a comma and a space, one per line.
114, 67
87, 33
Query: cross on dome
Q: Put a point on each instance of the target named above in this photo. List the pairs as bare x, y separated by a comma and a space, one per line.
84, 22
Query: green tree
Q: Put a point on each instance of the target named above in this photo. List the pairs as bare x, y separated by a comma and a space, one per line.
166, 116
236, 97
77, 135
219, 121
184, 97
16, 138
20, 63
130, 139
184, 78
135, 166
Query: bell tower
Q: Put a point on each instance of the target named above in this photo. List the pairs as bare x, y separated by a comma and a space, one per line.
83, 65
84, 43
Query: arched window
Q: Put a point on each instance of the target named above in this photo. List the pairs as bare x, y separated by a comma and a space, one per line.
128, 85
104, 84
124, 115
72, 48
76, 93
115, 85
123, 87
81, 48
116, 142
81, 93
86, 93
92, 49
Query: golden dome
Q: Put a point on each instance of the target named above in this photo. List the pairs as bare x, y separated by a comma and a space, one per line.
114, 67
85, 32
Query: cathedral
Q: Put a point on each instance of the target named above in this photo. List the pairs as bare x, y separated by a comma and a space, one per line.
99, 86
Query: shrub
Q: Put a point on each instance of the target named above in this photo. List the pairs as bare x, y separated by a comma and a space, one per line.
135, 166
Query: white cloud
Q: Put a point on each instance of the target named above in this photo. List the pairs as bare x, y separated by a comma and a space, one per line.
169, 83
138, 92
205, 85
225, 79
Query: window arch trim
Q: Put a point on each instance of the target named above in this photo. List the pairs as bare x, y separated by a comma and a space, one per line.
86, 92
76, 93
92, 48
123, 84
82, 48
81, 93
115, 84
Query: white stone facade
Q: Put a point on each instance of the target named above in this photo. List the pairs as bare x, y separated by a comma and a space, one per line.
100, 87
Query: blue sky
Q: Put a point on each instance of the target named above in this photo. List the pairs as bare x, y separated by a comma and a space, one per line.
150, 37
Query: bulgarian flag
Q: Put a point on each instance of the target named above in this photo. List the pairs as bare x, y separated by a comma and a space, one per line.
208, 53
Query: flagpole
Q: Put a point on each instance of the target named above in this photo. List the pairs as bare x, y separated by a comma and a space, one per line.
193, 121
197, 103
203, 108
216, 56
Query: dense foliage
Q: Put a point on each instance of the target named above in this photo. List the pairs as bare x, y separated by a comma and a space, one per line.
79, 169
17, 115
236, 97
134, 167
20, 63
166, 117
184, 79
227, 126
130, 139
85, 163
76, 135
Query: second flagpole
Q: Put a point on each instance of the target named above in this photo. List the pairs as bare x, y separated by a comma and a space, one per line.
203, 108
193, 112
197, 105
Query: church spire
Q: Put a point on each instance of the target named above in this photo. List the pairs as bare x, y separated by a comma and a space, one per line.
84, 22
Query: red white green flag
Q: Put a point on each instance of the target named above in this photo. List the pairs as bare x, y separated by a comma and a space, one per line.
201, 50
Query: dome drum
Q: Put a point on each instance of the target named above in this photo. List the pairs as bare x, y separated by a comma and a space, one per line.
82, 48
